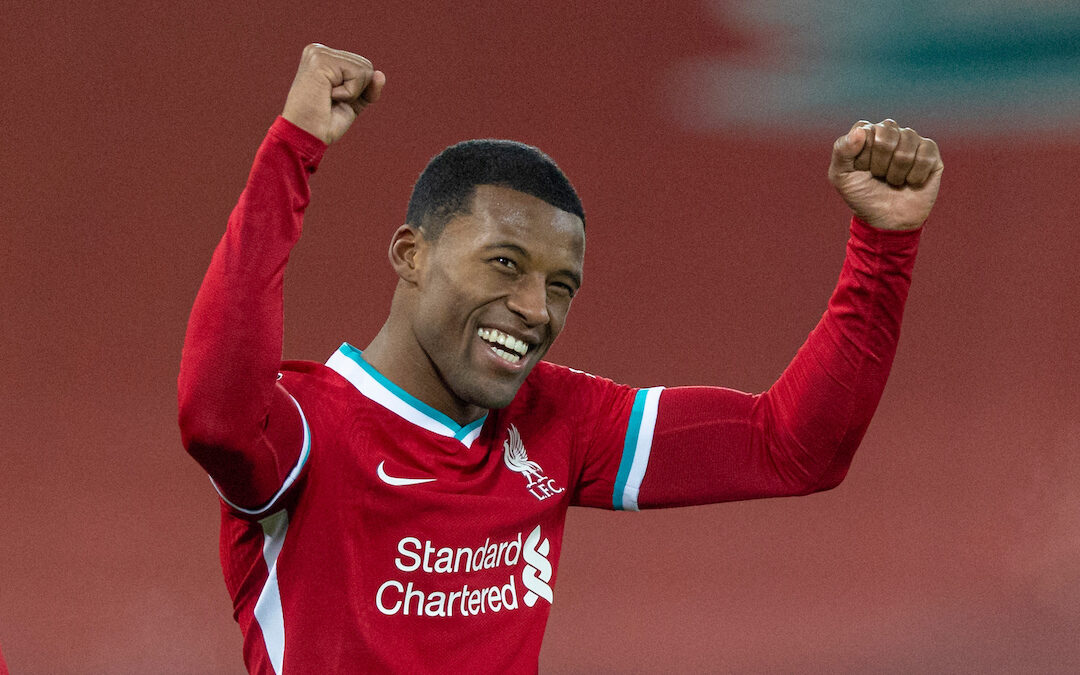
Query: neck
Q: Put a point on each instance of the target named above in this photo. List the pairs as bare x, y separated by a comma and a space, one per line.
404, 363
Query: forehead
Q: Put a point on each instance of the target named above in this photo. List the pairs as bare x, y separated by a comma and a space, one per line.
501, 215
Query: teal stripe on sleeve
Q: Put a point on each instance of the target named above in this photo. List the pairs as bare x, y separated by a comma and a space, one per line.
633, 428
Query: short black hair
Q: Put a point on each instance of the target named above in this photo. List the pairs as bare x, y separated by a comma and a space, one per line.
446, 186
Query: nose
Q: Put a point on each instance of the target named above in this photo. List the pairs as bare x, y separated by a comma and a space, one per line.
529, 299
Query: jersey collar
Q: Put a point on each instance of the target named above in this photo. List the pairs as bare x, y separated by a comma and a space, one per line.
348, 361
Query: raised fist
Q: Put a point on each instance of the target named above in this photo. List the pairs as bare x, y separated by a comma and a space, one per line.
330, 89
888, 176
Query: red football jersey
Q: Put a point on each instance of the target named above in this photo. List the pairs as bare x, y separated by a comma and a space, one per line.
404, 541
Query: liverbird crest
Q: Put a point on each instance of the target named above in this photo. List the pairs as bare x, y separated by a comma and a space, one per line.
517, 459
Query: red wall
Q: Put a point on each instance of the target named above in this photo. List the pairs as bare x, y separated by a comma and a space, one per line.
953, 545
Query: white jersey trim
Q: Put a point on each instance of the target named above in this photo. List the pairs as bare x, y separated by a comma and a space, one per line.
636, 449
305, 451
348, 362
268, 612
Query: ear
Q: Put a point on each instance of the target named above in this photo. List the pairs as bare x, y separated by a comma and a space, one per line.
407, 252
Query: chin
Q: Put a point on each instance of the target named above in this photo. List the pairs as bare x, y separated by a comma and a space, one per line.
491, 397
494, 402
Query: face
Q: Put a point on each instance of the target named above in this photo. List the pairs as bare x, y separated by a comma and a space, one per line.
493, 292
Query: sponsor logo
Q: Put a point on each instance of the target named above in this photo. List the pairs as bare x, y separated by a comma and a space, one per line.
537, 572
393, 597
516, 459
416, 557
397, 482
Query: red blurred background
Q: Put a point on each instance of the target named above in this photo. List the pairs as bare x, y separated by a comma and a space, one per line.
954, 545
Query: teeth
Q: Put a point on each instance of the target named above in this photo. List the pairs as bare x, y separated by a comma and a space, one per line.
502, 339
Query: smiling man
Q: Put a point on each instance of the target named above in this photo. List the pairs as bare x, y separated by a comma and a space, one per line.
401, 508
488, 270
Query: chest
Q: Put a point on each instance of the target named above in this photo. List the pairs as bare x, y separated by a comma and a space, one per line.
380, 471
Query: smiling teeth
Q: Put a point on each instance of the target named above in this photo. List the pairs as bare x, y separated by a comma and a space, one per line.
514, 348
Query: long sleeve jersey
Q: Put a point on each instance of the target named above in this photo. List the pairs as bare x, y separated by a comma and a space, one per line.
364, 531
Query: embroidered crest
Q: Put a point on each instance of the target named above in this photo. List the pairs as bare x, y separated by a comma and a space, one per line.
517, 459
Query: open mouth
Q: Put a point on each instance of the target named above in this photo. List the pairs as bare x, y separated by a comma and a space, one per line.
506, 347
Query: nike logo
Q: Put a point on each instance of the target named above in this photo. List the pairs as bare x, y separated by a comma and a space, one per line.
394, 480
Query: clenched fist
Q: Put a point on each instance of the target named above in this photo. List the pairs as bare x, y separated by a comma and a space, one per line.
330, 89
888, 176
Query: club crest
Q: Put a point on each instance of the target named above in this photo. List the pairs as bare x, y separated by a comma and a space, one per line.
517, 459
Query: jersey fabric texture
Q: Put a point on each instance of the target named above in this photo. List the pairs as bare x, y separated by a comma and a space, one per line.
364, 531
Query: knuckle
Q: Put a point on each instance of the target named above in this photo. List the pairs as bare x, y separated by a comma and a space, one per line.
887, 142
926, 163
885, 129
904, 155
314, 54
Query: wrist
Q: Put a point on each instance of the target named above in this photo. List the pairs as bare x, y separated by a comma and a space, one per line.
884, 226
310, 147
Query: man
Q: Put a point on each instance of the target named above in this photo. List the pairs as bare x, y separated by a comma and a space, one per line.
401, 508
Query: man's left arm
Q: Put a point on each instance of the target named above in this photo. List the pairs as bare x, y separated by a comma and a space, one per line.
697, 445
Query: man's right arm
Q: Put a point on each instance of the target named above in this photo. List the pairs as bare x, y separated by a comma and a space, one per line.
235, 420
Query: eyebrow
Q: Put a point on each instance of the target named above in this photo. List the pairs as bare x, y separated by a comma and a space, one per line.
574, 276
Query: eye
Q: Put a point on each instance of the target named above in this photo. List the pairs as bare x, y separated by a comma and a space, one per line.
563, 289
505, 262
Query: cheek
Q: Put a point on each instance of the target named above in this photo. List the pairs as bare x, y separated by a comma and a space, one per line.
442, 294
445, 309
558, 309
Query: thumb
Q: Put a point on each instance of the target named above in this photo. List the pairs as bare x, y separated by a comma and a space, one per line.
847, 148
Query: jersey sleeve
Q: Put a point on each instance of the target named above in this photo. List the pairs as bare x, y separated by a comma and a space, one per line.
684, 446
615, 423
236, 419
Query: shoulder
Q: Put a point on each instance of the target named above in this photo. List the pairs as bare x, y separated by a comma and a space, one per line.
553, 374
550, 381
308, 372
547, 376
310, 380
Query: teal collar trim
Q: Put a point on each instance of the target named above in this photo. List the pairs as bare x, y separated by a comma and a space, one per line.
348, 361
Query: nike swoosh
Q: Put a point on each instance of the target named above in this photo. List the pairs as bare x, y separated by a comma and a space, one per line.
394, 480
